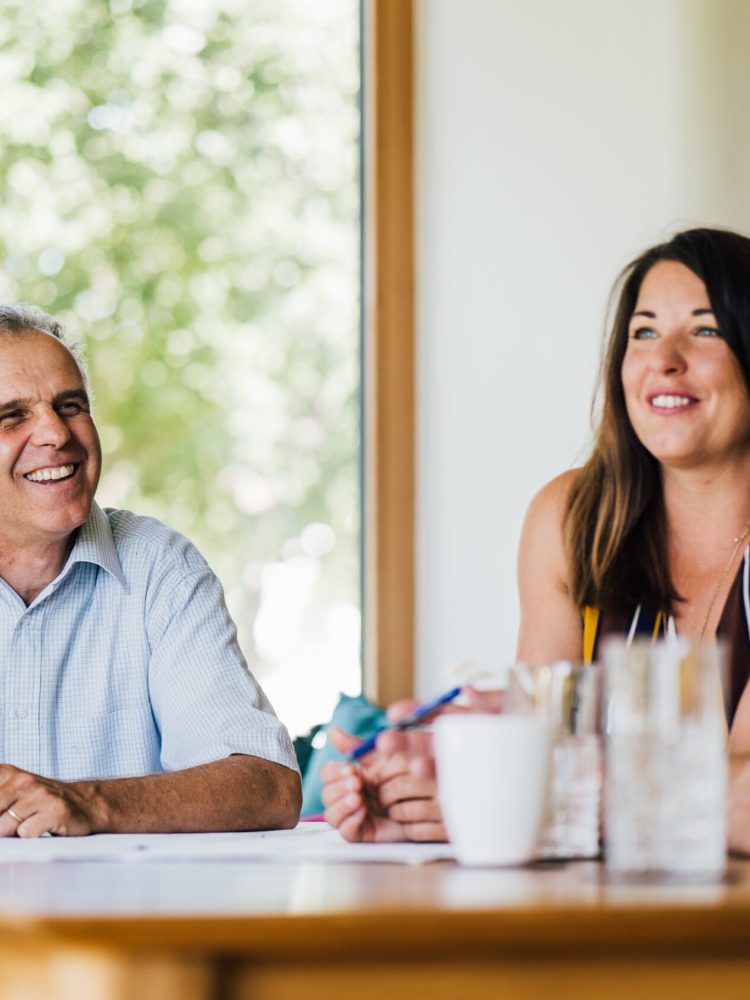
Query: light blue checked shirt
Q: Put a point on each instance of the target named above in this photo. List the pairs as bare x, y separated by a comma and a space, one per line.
128, 664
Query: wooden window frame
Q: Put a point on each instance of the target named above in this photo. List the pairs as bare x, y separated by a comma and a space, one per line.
388, 350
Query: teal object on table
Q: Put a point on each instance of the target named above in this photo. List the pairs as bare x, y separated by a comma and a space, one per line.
357, 716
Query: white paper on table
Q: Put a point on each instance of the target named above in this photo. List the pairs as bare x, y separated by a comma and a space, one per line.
306, 842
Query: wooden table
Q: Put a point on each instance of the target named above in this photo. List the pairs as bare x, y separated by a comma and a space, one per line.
308, 931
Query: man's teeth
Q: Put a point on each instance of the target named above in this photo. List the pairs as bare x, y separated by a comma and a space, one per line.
669, 402
59, 472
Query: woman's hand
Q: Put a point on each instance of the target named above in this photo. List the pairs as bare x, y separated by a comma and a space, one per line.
408, 792
351, 793
410, 796
391, 795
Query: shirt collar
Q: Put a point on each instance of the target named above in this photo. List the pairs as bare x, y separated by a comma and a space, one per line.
95, 544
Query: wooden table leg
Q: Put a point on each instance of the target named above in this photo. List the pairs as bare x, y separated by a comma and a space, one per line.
40, 972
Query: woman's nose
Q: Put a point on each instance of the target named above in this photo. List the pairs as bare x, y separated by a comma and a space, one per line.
668, 357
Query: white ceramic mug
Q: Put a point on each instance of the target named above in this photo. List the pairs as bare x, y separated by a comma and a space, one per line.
493, 773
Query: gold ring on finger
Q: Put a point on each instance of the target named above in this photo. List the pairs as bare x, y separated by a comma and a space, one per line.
16, 817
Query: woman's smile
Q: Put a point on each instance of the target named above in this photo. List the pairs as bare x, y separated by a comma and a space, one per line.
669, 403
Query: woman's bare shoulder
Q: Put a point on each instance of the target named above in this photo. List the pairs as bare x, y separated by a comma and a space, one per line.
550, 622
542, 543
551, 502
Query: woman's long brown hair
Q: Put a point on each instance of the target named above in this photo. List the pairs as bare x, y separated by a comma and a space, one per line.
615, 524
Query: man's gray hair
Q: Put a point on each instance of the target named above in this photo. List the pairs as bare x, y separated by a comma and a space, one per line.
19, 319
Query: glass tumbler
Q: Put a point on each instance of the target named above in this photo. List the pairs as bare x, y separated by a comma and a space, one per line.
666, 760
569, 697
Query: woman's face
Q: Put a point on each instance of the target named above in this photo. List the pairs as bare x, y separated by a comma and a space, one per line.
684, 390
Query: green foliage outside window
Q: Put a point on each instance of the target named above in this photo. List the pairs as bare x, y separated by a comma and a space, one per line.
180, 189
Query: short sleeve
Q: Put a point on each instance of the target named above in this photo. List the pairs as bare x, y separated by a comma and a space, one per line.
206, 703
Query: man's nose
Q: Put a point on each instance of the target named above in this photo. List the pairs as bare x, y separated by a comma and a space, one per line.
49, 429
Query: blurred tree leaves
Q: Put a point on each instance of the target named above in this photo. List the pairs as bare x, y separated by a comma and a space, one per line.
180, 188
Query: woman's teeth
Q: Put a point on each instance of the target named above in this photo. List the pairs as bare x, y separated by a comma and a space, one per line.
670, 402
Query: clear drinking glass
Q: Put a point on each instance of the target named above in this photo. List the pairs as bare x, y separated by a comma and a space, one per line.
569, 697
666, 760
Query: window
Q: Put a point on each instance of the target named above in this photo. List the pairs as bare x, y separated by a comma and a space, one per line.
183, 192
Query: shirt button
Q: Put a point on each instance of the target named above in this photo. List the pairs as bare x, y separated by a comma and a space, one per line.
21, 713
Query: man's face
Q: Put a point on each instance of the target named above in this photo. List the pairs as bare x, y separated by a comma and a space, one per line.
50, 456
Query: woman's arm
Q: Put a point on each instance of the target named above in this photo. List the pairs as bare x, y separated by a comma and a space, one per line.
738, 806
551, 626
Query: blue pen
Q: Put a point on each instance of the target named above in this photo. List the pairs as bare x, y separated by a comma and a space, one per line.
406, 723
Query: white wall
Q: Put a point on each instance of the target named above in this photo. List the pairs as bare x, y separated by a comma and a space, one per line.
555, 140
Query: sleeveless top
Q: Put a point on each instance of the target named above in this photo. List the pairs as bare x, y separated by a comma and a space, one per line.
734, 626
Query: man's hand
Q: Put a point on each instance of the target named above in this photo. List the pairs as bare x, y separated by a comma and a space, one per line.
240, 792
31, 806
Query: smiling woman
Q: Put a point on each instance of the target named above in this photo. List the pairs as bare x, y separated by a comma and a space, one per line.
617, 531
649, 535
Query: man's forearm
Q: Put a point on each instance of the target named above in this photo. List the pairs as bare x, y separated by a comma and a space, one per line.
237, 793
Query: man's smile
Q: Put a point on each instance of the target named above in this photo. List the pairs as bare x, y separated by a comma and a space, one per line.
51, 473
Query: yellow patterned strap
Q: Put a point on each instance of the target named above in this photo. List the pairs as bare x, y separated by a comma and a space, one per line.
590, 625
658, 621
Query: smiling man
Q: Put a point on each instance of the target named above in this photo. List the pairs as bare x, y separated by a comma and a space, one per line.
126, 702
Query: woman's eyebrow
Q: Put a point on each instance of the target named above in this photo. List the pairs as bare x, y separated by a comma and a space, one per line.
652, 315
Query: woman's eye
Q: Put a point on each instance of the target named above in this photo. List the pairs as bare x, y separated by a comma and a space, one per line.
643, 333
707, 331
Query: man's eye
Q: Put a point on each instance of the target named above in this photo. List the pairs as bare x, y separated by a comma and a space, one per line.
643, 333
70, 409
11, 418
